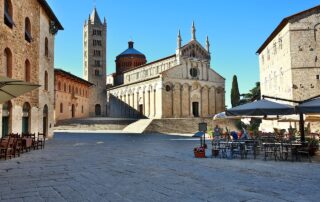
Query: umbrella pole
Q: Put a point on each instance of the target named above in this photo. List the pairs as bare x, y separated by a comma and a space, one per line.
301, 126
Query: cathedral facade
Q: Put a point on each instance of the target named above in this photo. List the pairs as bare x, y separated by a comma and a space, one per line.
181, 85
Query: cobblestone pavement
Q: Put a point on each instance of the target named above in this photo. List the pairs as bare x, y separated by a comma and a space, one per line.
120, 167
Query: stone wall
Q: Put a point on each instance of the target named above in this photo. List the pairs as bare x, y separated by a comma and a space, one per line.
305, 49
22, 50
46, 65
289, 65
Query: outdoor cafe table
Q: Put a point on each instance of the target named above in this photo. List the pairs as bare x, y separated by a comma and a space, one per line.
284, 147
229, 146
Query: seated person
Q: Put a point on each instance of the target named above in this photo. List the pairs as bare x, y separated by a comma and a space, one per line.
216, 133
245, 135
234, 135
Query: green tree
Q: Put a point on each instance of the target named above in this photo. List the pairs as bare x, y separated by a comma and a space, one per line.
254, 94
235, 95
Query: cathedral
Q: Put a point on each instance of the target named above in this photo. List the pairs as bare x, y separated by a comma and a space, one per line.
181, 85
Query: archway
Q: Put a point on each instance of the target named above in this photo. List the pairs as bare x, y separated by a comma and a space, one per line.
98, 110
6, 118
26, 118
45, 120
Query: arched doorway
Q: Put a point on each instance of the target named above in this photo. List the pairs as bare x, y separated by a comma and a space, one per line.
98, 110
73, 111
26, 118
6, 118
45, 120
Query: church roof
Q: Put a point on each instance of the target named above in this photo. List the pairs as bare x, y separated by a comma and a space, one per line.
150, 63
94, 17
282, 24
131, 51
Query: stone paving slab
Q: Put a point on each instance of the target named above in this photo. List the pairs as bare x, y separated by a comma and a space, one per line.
127, 167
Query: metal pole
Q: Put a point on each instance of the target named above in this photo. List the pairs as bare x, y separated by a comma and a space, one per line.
301, 126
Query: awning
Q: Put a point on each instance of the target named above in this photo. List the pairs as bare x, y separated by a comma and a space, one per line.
11, 88
310, 107
261, 108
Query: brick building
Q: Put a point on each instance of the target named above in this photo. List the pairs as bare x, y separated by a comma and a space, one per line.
27, 33
71, 96
289, 60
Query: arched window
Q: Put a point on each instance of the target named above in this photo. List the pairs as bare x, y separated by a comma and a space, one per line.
27, 71
61, 107
8, 13
65, 87
46, 47
69, 88
46, 80
82, 109
96, 72
7, 60
27, 29
59, 85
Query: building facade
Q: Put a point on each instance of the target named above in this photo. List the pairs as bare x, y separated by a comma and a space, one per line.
289, 59
27, 32
72, 95
180, 85
94, 62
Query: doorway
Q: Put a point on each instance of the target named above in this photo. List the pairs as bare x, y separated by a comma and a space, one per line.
98, 110
45, 120
26, 118
141, 110
6, 112
195, 109
73, 111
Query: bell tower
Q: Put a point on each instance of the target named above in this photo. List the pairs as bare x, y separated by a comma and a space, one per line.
94, 62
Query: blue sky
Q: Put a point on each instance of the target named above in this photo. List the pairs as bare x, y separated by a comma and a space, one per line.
236, 29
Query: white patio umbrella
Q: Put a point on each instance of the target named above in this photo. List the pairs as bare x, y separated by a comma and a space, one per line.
11, 88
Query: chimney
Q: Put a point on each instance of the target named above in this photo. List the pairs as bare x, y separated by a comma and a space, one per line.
130, 44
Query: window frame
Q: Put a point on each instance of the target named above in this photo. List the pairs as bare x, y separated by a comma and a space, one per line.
8, 13
27, 30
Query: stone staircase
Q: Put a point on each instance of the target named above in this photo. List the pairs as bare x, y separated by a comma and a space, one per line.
138, 126
181, 126
95, 123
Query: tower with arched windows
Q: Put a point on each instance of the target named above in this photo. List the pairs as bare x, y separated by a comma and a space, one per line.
94, 61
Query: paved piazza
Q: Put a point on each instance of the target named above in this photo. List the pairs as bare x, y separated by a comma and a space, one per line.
120, 167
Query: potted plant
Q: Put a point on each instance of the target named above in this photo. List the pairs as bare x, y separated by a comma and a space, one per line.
199, 152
